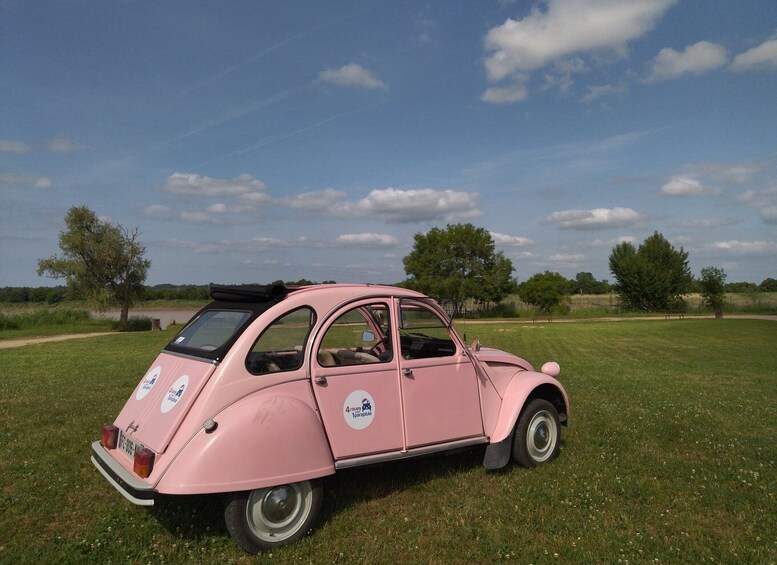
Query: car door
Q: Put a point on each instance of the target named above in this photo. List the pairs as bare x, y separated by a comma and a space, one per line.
356, 381
441, 401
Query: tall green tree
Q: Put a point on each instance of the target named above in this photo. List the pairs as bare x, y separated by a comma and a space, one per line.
652, 277
544, 290
585, 283
459, 263
713, 287
100, 262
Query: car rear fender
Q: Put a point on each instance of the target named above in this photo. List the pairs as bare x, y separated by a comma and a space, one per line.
269, 438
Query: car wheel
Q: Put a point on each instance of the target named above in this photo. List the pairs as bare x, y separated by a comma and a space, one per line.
265, 518
537, 434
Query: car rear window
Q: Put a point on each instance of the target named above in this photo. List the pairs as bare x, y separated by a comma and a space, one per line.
211, 329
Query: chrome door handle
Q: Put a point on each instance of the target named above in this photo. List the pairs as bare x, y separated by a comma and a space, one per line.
320, 380
407, 372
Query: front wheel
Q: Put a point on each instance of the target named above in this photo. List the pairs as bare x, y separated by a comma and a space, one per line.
265, 518
537, 434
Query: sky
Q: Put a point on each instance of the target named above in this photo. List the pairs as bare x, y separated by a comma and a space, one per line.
253, 141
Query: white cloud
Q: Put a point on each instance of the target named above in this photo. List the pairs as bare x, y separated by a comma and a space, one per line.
613, 242
198, 217
243, 185
26, 181
510, 240
351, 75
416, 205
769, 215
63, 145
730, 173
217, 208
696, 59
254, 245
567, 258
710, 223
686, 186
760, 198
367, 239
737, 247
565, 28
316, 201
157, 211
17, 147
596, 92
505, 94
599, 218
763, 57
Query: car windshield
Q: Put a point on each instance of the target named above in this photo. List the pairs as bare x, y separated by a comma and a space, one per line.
211, 330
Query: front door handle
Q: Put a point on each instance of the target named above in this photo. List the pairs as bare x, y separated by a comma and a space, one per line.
320, 380
407, 372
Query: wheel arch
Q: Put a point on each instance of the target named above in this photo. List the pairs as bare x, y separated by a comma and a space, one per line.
521, 391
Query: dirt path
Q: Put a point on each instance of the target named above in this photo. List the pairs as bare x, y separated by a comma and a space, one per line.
21, 342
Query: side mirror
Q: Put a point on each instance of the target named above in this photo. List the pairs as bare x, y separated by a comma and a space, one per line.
368, 336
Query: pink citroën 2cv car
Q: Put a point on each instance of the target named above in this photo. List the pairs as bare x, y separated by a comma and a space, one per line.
268, 389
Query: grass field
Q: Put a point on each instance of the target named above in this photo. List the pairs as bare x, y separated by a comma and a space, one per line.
670, 456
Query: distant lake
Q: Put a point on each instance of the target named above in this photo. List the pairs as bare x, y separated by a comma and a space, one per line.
166, 317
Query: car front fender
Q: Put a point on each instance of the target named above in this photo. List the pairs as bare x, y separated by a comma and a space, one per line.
269, 438
523, 386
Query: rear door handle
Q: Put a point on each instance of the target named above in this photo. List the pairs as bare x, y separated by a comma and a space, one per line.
320, 380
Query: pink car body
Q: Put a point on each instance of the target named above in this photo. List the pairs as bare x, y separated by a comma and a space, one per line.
269, 389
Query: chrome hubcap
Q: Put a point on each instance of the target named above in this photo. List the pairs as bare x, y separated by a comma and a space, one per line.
542, 436
277, 513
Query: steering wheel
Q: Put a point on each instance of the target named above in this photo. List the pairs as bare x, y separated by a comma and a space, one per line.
372, 350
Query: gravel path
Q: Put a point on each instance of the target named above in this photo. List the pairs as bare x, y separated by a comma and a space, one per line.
21, 342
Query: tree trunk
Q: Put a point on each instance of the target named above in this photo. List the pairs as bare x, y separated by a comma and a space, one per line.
124, 315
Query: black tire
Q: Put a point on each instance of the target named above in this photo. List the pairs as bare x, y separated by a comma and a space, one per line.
266, 518
537, 434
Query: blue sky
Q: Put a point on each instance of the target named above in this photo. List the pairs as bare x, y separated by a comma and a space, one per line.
255, 141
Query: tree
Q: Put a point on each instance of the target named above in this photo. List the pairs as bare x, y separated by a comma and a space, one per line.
585, 283
100, 262
768, 285
713, 287
653, 277
544, 290
459, 263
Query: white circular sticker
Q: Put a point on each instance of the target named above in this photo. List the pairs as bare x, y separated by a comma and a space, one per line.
148, 382
175, 394
359, 409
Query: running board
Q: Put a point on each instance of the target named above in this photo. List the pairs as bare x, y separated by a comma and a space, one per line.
416, 452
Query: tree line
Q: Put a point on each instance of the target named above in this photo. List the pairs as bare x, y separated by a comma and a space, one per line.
459, 264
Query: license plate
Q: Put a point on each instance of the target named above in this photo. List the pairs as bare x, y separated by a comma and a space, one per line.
128, 445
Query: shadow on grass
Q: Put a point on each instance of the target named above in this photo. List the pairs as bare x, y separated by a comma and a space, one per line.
197, 517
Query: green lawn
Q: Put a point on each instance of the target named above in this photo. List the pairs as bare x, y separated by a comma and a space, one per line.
670, 456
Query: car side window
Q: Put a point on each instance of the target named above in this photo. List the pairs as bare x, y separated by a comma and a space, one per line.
359, 336
282, 344
422, 333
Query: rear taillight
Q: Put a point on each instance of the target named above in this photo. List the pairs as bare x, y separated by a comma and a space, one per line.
110, 436
144, 462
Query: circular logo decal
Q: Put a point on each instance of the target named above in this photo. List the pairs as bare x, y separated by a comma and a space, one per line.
359, 409
175, 394
148, 382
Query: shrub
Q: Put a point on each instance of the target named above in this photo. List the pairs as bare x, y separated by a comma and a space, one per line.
136, 324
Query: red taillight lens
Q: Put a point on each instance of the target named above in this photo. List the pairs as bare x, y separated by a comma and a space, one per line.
144, 462
110, 436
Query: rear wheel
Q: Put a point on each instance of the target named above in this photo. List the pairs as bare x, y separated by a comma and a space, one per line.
537, 434
270, 517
